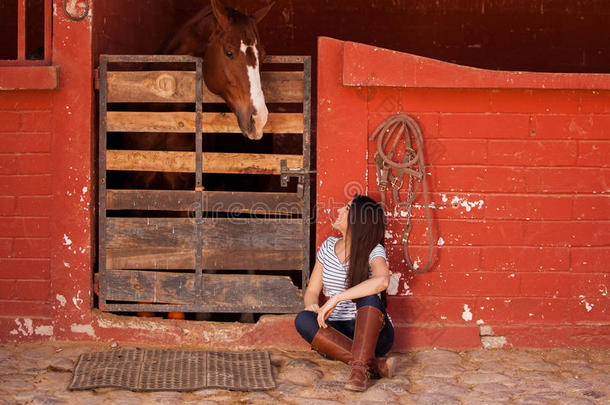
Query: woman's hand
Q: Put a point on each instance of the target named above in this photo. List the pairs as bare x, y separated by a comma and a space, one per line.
313, 308
326, 309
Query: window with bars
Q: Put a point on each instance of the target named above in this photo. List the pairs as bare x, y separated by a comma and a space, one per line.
25, 29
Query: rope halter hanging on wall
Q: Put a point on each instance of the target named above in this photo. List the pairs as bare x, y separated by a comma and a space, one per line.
411, 169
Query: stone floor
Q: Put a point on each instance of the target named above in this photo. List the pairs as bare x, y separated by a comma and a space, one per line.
40, 373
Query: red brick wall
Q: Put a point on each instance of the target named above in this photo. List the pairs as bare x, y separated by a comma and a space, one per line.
519, 179
25, 201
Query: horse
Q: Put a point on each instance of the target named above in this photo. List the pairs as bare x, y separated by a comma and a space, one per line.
229, 43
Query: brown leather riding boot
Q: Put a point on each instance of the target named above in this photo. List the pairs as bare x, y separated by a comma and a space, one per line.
331, 342
335, 344
369, 321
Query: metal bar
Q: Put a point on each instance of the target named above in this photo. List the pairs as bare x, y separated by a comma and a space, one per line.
150, 58
284, 59
199, 174
48, 30
21, 16
103, 69
306, 166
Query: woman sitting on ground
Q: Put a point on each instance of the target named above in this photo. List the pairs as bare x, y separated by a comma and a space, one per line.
352, 326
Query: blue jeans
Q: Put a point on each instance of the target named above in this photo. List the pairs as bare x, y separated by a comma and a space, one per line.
306, 324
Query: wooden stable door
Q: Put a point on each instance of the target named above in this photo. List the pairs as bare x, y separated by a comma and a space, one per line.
236, 237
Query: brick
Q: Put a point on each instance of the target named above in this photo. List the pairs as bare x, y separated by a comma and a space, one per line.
9, 121
408, 337
28, 309
6, 247
474, 179
465, 233
39, 163
28, 269
465, 284
7, 289
26, 100
19, 227
576, 126
535, 101
25, 185
485, 126
455, 152
20, 142
448, 259
590, 285
450, 205
566, 180
33, 206
521, 310
427, 122
383, 99
31, 248
590, 259
528, 336
8, 164
528, 207
588, 310
532, 153
520, 258
567, 233
445, 100
550, 285
33, 290
591, 207
36, 121
7, 205
411, 309
593, 101
593, 153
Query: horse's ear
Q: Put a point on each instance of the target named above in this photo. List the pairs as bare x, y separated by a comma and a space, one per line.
220, 13
260, 14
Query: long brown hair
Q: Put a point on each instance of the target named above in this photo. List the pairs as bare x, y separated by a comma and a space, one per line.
366, 229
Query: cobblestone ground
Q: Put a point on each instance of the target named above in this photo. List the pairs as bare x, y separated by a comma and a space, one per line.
40, 373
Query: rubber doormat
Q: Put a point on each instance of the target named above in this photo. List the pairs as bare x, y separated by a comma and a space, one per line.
173, 370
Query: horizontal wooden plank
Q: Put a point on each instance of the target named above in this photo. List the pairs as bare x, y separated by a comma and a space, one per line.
218, 233
149, 286
220, 292
179, 87
213, 259
215, 201
249, 259
156, 258
163, 161
129, 121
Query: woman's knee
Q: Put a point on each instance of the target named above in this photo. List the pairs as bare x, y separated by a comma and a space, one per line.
306, 324
370, 300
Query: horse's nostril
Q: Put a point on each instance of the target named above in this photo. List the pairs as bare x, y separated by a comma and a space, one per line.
254, 112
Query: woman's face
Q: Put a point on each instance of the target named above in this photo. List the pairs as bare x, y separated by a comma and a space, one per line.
340, 223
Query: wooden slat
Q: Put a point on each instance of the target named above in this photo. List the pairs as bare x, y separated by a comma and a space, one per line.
221, 292
213, 259
128, 121
158, 258
217, 201
150, 286
179, 87
162, 161
243, 259
220, 233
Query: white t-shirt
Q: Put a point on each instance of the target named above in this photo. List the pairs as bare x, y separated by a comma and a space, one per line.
334, 273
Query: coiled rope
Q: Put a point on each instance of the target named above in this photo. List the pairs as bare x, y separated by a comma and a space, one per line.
393, 173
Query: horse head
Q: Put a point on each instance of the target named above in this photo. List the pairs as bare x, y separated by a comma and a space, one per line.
231, 66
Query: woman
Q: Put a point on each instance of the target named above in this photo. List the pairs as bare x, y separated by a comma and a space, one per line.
352, 326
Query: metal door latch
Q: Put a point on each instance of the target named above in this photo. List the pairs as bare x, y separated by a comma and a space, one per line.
299, 172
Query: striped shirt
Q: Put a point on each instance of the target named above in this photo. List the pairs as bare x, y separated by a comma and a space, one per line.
334, 273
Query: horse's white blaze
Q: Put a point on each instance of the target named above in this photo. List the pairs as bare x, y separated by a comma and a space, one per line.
256, 91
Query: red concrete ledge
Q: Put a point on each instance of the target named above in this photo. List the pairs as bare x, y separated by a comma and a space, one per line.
28, 77
365, 65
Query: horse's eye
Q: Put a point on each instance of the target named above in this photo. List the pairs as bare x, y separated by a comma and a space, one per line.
229, 54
